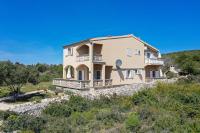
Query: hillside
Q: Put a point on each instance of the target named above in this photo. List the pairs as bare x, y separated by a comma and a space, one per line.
180, 53
187, 61
165, 108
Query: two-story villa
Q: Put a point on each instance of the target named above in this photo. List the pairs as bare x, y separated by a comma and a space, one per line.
108, 61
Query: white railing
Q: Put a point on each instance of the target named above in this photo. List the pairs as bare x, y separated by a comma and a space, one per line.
98, 83
108, 82
77, 84
154, 61
82, 58
97, 58
155, 79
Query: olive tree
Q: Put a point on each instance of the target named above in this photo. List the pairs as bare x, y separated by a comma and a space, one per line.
14, 76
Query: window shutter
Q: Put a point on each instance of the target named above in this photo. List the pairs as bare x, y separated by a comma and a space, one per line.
132, 73
71, 51
66, 51
127, 73
124, 73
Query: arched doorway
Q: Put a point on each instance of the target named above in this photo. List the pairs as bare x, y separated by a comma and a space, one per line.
82, 72
69, 72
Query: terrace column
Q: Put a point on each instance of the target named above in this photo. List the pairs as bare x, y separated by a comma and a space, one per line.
91, 69
103, 74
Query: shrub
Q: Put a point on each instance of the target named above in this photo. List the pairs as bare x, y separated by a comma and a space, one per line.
52, 87
58, 125
144, 97
5, 114
58, 110
15, 122
171, 75
132, 122
102, 102
109, 117
4, 92
78, 103
78, 119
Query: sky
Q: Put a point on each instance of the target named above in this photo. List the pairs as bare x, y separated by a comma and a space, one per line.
33, 31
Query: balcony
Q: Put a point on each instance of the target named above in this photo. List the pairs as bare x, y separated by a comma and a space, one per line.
97, 58
80, 84
74, 84
82, 58
152, 61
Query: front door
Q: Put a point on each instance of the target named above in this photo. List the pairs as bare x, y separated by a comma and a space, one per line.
154, 74
97, 74
80, 75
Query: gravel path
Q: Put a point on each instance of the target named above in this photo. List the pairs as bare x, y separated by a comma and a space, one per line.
6, 106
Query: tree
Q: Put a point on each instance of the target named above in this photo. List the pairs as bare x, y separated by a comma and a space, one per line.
41, 67
33, 75
14, 76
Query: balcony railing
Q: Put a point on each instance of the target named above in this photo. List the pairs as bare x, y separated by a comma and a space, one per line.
152, 61
98, 83
108, 82
77, 84
82, 58
97, 58
155, 79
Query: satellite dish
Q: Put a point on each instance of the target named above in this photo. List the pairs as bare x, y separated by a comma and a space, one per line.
118, 62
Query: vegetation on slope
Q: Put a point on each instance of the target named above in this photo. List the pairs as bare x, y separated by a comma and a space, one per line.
187, 61
16, 76
165, 108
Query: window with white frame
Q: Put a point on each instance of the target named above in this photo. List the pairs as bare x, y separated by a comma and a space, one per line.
137, 52
129, 52
68, 51
129, 74
148, 54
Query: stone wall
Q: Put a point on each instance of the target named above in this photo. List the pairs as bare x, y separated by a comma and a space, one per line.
124, 90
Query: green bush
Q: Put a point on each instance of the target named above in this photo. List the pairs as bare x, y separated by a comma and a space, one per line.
58, 125
109, 117
171, 75
145, 96
58, 110
52, 87
78, 118
5, 114
164, 108
132, 122
79, 104
4, 92
23, 122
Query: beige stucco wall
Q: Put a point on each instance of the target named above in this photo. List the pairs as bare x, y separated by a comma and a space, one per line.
111, 50
117, 49
71, 60
114, 49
